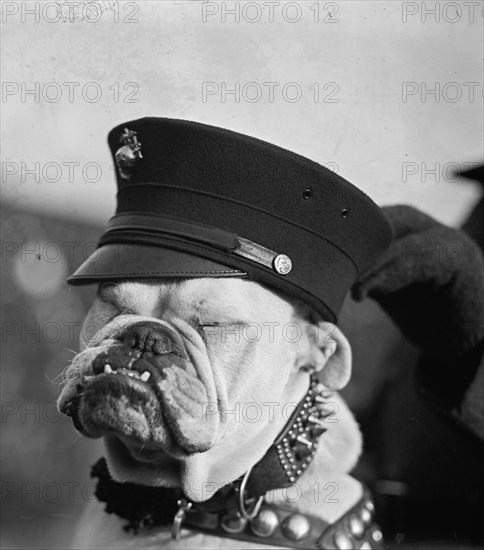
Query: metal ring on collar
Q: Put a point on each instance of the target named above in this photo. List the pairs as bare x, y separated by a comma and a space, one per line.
242, 508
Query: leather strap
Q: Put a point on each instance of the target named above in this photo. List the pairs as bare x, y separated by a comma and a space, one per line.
217, 238
355, 529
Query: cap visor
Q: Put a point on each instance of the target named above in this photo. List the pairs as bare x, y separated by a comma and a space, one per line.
133, 261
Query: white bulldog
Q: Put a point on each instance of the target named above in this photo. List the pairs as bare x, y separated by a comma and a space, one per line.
190, 381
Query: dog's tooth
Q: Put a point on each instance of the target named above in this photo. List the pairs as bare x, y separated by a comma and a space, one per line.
108, 369
145, 376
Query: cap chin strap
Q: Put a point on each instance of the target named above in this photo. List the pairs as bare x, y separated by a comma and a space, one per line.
125, 227
238, 510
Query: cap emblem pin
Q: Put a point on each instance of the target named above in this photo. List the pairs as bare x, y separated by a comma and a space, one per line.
128, 155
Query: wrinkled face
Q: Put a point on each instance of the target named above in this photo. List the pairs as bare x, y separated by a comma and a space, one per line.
179, 374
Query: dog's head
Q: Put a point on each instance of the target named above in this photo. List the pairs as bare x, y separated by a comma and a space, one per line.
191, 380
191, 376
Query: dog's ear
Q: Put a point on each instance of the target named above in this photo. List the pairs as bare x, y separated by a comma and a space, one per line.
329, 354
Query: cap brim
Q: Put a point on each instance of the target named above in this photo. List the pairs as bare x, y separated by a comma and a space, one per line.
113, 262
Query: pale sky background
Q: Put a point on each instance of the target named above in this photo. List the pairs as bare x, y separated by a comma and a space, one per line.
369, 52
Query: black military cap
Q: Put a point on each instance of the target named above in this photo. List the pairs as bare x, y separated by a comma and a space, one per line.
200, 201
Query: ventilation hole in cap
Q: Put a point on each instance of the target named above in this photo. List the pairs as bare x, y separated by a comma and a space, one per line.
307, 194
344, 213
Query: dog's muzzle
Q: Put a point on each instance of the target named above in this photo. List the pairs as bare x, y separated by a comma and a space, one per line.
139, 382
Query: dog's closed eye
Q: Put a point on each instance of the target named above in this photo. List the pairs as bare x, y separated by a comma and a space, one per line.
224, 324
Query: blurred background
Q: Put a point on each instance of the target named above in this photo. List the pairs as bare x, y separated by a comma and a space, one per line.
389, 94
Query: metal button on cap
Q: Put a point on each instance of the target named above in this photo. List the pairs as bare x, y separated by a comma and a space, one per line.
282, 264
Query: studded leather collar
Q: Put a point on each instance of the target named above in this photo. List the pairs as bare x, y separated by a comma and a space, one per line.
294, 448
278, 526
238, 510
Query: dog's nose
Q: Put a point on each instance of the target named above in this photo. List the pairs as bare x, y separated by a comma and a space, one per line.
148, 336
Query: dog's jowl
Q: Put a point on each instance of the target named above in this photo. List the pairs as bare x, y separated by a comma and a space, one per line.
213, 369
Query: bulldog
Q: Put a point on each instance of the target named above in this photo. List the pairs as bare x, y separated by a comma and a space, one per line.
190, 381
215, 350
